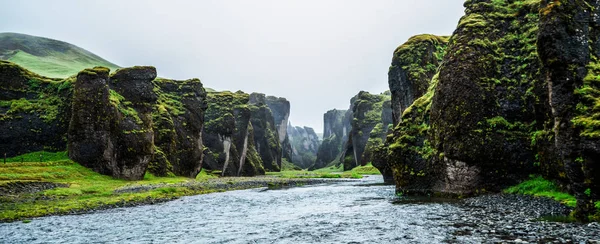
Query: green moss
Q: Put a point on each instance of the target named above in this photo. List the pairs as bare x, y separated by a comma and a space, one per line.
588, 109
367, 169
124, 106
540, 187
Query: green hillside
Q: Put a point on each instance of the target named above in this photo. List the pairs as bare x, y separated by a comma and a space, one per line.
48, 57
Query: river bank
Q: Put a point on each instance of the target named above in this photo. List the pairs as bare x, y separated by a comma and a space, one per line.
29, 190
350, 211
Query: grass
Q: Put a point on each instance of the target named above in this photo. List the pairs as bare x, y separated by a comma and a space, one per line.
87, 189
540, 187
35, 157
314, 174
368, 169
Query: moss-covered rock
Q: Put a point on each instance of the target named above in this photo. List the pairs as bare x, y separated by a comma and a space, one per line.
111, 132
178, 119
305, 144
367, 110
229, 135
267, 134
569, 47
335, 133
280, 108
413, 65
34, 111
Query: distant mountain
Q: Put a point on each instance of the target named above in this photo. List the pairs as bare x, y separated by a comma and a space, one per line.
48, 57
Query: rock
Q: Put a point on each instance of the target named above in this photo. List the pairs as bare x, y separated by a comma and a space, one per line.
34, 111
569, 47
335, 133
111, 132
268, 135
280, 109
367, 110
413, 65
178, 122
227, 134
305, 144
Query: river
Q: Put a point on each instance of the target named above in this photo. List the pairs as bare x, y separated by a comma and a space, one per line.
363, 211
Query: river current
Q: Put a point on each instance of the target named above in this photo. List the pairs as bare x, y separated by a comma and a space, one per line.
363, 211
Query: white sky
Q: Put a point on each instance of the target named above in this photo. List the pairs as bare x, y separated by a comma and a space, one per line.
316, 53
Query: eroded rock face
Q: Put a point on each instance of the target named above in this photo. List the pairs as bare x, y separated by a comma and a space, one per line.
229, 135
34, 111
413, 65
267, 131
305, 144
367, 110
111, 132
178, 122
335, 133
280, 108
569, 47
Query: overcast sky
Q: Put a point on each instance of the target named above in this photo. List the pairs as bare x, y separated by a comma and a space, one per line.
316, 53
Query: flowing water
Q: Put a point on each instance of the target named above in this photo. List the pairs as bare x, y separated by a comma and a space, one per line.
362, 211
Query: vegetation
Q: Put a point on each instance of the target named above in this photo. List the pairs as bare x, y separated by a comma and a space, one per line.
540, 187
42, 156
48, 57
314, 174
368, 169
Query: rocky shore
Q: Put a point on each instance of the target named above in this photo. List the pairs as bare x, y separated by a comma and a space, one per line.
504, 218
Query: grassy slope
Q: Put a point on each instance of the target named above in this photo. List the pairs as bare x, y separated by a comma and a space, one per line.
540, 187
48, 57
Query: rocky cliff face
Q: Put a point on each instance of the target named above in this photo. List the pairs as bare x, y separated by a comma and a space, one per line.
496, 111
268, 137
305, 144
178, 118
569, 48
34, 111
367, 110
111, 129
280, 108
335, 133
228, 135
413, 65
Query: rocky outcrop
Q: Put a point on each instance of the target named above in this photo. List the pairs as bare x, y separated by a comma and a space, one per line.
335, 133
497, 112
178, 118
229, 135
280, 108
34, 111
413, 65
305, 144
569, 47
267, 133
367, 110
111, 129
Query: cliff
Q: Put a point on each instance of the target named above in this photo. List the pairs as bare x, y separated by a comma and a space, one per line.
229, 136
335, 133
34, 111
513, 95
305, 144
280, 108
367, 113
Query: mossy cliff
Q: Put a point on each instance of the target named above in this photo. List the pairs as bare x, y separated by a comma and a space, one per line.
268, 138
280, 108
178, 118
305, 144
111, 129
335, 133
494, 111
34, 111
413, 65
367, 112
229, 135
569, 48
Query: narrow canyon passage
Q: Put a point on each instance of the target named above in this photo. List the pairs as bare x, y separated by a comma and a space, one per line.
361, 211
